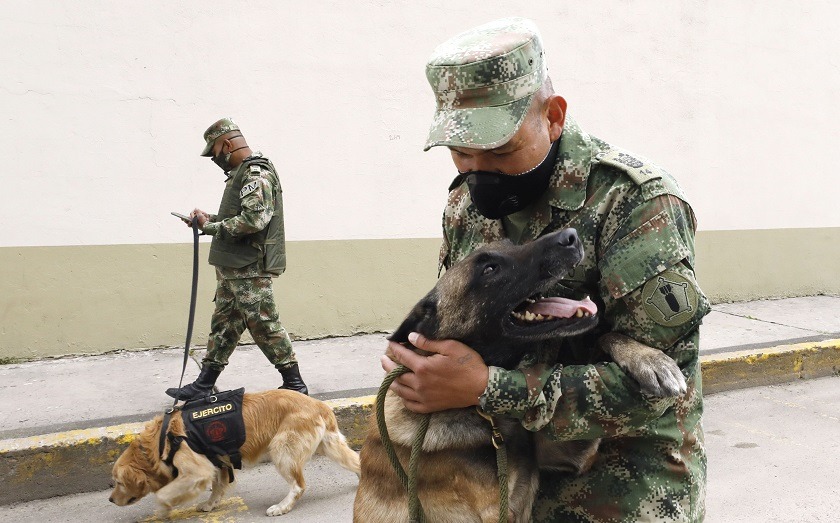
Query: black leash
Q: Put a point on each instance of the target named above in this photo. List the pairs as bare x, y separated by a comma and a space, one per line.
175, 440
194, 223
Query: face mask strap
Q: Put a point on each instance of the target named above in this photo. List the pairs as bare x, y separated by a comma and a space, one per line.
231, 138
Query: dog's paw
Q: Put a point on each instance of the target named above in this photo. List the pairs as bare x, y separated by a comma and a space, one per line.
278, 509
206, 506
657, 373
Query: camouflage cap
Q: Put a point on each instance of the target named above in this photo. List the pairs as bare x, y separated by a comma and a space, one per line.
223, 126
484, 80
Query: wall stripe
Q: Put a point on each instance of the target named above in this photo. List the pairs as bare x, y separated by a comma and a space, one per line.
92, 299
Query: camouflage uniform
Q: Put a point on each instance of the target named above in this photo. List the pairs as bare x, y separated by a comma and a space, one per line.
637, 231
244, 295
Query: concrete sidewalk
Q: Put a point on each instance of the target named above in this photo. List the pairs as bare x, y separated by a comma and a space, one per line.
65, 420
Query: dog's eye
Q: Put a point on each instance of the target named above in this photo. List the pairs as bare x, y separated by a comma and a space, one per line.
490, 269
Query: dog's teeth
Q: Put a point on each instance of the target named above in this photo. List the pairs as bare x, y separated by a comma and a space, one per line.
541, 317
579, 313
587, 314
530, 316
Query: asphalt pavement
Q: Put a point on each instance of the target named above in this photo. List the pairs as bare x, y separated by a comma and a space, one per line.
772, 448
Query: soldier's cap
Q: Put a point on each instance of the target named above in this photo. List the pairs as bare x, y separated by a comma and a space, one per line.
223, 126
484, 80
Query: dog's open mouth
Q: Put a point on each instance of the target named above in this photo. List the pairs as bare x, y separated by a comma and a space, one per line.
538, 310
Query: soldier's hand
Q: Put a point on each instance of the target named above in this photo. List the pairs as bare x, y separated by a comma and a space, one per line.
453, 377
201, 217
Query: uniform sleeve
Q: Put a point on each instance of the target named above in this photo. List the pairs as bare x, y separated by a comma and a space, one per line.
257, 202
651, 295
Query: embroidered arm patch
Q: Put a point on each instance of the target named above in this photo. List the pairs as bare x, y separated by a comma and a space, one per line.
248, 188
670, 299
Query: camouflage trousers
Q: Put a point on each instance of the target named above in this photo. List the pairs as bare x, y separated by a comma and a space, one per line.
247, 303
628, 484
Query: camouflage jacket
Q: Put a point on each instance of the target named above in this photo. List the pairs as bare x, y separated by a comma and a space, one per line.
638, 235
257, 210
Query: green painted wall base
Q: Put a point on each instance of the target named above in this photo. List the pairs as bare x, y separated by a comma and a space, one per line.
768, 263
91, 299
82, 300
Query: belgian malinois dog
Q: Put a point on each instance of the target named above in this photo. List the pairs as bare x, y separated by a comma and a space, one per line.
496, 300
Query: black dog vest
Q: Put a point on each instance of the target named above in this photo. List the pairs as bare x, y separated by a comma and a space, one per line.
215, 427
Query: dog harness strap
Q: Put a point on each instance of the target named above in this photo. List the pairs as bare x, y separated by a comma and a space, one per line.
174, 444
164, 426
219, 464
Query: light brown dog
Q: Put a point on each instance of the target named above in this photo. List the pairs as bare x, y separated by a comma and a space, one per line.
286, 426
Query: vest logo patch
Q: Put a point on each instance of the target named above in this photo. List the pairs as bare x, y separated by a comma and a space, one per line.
248, 188
216, 431
670, 299
209, 412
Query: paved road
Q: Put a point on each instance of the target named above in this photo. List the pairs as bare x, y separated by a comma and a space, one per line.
774, 457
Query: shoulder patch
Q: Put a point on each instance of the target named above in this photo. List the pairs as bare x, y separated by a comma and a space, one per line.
670, 299
638, 169
255, 169
248, 188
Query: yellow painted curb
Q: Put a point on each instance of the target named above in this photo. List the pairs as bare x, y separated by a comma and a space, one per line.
779, 364
76, 461
61, 463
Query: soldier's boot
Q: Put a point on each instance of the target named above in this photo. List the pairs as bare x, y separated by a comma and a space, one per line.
202, 386
292, 380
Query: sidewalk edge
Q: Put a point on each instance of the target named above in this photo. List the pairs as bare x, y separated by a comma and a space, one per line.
769, 366
71, 462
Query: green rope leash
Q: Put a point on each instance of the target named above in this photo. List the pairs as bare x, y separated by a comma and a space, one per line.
501, 465
409, 481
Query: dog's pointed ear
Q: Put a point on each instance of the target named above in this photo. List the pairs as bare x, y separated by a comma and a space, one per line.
422, 318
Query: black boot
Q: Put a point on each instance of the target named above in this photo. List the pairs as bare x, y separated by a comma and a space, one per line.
292, 380
202, 386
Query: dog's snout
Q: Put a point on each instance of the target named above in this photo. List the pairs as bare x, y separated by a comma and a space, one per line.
111, 499
567, 237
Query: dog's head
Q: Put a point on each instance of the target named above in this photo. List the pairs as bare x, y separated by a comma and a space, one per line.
493, 300
139, 470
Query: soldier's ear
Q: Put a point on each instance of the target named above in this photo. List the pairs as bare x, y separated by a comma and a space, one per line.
556, 113
422, 318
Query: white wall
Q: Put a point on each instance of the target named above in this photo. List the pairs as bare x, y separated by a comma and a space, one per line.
102, 106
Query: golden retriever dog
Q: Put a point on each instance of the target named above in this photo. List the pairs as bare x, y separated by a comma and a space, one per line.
283, 425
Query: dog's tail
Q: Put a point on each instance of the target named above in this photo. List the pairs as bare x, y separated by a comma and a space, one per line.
334, 446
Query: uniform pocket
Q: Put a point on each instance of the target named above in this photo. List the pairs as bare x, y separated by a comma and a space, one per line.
647, 251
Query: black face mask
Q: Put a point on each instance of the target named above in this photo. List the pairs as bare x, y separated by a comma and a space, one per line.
496, 195
223, 160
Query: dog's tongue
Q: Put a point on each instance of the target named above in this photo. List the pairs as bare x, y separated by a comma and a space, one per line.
562, 307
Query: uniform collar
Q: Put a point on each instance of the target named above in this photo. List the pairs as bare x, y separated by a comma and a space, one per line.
241, 166
567, 187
